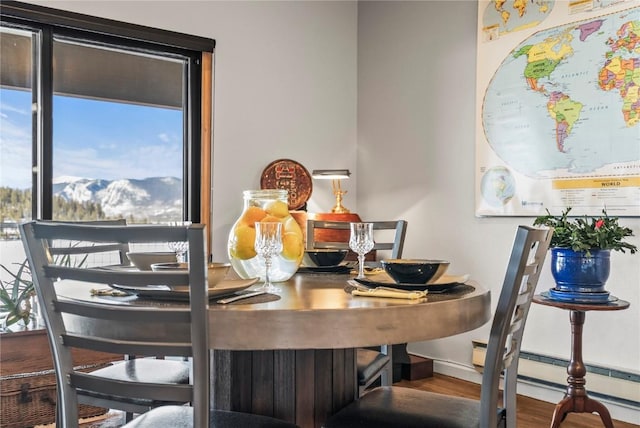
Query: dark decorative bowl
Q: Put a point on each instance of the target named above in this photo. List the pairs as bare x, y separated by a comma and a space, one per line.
414, 271
327, 257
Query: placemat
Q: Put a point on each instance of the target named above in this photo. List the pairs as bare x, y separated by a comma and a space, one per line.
263, 298
452, 293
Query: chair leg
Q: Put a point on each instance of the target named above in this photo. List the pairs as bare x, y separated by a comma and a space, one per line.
386, 378
385, 374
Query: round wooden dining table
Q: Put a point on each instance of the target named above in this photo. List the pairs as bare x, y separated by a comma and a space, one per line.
292, 355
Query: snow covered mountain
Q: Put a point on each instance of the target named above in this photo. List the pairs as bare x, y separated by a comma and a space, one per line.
153, 198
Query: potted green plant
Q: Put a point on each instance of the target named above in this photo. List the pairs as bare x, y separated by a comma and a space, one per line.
581, 248
16, 295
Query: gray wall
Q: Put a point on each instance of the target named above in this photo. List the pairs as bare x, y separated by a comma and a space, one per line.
416, 121
386, 89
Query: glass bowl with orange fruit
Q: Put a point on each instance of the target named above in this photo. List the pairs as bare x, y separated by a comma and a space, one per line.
267, 205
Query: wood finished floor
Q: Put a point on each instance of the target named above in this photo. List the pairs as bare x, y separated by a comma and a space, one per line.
531, 413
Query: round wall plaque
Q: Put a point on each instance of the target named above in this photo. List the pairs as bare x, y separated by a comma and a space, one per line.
290, 175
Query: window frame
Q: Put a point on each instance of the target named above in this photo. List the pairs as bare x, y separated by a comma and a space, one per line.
48, 23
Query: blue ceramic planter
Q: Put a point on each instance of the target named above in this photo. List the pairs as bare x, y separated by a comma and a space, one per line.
574, 271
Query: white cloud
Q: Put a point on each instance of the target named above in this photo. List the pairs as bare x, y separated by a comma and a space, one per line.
15, 153
7, 108
131, 162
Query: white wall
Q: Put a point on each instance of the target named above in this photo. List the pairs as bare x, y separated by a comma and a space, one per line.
285, 87
290, 78
416, 119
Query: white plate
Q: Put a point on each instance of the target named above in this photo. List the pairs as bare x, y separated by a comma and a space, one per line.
223, 288
124, 268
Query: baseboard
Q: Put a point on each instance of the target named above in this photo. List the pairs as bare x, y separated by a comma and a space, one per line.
618, 386
548, 393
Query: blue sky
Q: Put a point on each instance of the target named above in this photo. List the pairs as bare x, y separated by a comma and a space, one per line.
92, 139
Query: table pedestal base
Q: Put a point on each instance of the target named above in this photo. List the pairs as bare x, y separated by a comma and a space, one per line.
576, 399
301, 386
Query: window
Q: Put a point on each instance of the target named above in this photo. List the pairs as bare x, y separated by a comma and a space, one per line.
118, 147
101, 119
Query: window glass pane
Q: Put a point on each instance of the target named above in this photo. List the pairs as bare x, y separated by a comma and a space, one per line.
15, 144
118, 137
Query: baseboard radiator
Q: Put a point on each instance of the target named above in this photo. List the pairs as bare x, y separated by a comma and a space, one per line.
602, 382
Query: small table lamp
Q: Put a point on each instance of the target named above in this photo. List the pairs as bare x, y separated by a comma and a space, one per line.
336, 175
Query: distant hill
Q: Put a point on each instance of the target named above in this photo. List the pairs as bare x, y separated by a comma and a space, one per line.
153, 198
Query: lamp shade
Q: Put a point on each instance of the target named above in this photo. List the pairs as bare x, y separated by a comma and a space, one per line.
336, 175
330, 174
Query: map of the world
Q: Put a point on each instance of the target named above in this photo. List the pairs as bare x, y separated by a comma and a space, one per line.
558, 107
566, 100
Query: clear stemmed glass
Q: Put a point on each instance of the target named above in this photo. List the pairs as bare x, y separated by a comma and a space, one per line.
268, 244
180, 248
361, 242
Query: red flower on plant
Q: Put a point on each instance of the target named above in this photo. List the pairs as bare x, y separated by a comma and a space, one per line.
599, 223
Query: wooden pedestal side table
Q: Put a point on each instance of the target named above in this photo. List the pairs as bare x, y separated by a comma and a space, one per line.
576, 399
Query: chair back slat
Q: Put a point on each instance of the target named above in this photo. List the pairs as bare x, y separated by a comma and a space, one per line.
101, 275
395, 245
522, 299
326, 245
135, 347
77, 248
160, 392
527, 257
508, 357
109, 325
74, 250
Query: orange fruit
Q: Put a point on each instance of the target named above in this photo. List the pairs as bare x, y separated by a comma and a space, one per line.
251, 215
243, 245
277, 209
292, 226
292, 247
271, 219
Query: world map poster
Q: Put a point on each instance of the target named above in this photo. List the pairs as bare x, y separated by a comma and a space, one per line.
558, 107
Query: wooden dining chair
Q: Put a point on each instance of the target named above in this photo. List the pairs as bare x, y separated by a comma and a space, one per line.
405, 407
393, 243
118, 325
80, 253
376, 362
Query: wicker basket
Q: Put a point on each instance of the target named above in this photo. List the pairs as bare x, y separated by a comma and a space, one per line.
29, 399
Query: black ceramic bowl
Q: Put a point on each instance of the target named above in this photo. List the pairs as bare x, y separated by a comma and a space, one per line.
414, 271
327, 257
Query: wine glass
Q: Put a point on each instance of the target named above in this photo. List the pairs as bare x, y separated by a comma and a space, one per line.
361, 242
179, 247
268, 244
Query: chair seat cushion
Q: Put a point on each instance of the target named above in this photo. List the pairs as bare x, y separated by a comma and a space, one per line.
405, 407
149, 370
368, 363
182, 417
